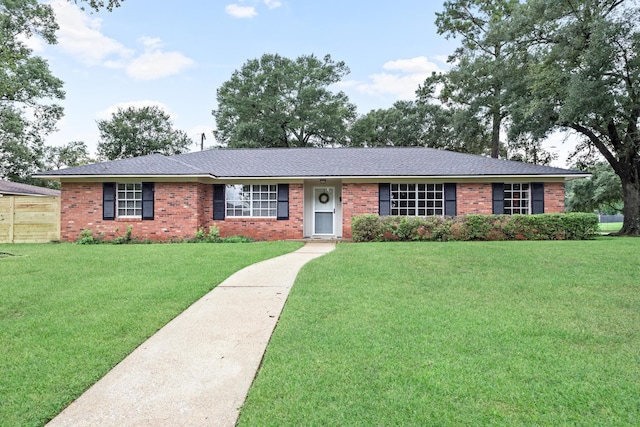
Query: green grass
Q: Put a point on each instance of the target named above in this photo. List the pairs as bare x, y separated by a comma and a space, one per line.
461, 333
610, 227
69, 313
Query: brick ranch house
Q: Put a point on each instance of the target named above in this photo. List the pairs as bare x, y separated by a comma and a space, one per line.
295, 193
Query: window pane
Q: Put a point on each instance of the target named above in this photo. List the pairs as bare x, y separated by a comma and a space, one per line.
258, 200
516, 198
129, 199
405, 198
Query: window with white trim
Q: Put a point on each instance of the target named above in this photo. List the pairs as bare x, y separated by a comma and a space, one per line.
129, 200
257, 200
417, 199
517, 199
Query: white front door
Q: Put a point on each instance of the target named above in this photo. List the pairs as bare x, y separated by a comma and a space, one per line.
324, 210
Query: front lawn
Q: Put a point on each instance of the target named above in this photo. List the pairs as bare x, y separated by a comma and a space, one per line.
610, 227
460, 333
70, 313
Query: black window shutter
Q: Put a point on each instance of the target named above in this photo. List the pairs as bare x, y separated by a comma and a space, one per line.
148, 193
108, 200
450, 208
537, 198
218, 201
283, 201
498, 198
384, 199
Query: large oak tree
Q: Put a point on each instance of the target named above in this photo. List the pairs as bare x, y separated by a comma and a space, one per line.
275, 101
585, 77
28, 90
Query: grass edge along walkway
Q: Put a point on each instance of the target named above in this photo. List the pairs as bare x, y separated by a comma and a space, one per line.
459, 333
70, 313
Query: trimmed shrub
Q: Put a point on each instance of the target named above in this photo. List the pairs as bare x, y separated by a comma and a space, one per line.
367, 228
570, 226
86, 237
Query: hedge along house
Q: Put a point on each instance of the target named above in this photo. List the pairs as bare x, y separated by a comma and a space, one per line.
295, 193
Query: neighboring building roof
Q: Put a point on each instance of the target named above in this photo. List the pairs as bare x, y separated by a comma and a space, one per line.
315, 162
9, 188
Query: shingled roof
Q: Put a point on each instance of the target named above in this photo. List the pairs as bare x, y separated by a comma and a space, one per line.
9, 188
315, 162
151, 165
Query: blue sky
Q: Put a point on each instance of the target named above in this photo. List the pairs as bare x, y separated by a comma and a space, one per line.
176, 54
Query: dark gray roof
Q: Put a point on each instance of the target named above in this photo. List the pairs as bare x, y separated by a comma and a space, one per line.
15, 188
316, 162
151, 165
356, 162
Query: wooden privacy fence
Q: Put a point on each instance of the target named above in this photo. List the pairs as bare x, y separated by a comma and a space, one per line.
29, 219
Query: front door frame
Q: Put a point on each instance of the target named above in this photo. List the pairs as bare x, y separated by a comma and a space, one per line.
317, 192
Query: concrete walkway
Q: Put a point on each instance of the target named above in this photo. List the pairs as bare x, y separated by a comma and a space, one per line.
196, 371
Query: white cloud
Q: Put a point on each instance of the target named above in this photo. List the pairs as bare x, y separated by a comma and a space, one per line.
106, 114
442, 58
80, 36
151, 43
34, 43
238, 11
401, 82
417, 65
154, 63
273, 4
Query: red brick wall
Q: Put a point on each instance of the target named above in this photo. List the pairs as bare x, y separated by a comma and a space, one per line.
357, 199
177, 211
182, 208
267, 228
477, 198
471, 198
474, 199
80, 207
553, 197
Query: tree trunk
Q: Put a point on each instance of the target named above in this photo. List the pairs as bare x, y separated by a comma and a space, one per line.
495, 135
631, 210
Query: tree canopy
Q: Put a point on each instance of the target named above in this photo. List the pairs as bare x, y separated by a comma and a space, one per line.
28, 90
416, 123
99, 4
133, 132
602, 192
585, 77
476, 81
74, 153
279, 102
539, 66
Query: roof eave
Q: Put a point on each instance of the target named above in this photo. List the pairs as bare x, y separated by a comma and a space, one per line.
13, 193
154, 177
196, 177
554, 177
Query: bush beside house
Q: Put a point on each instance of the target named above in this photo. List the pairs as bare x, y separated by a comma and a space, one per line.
571, 226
